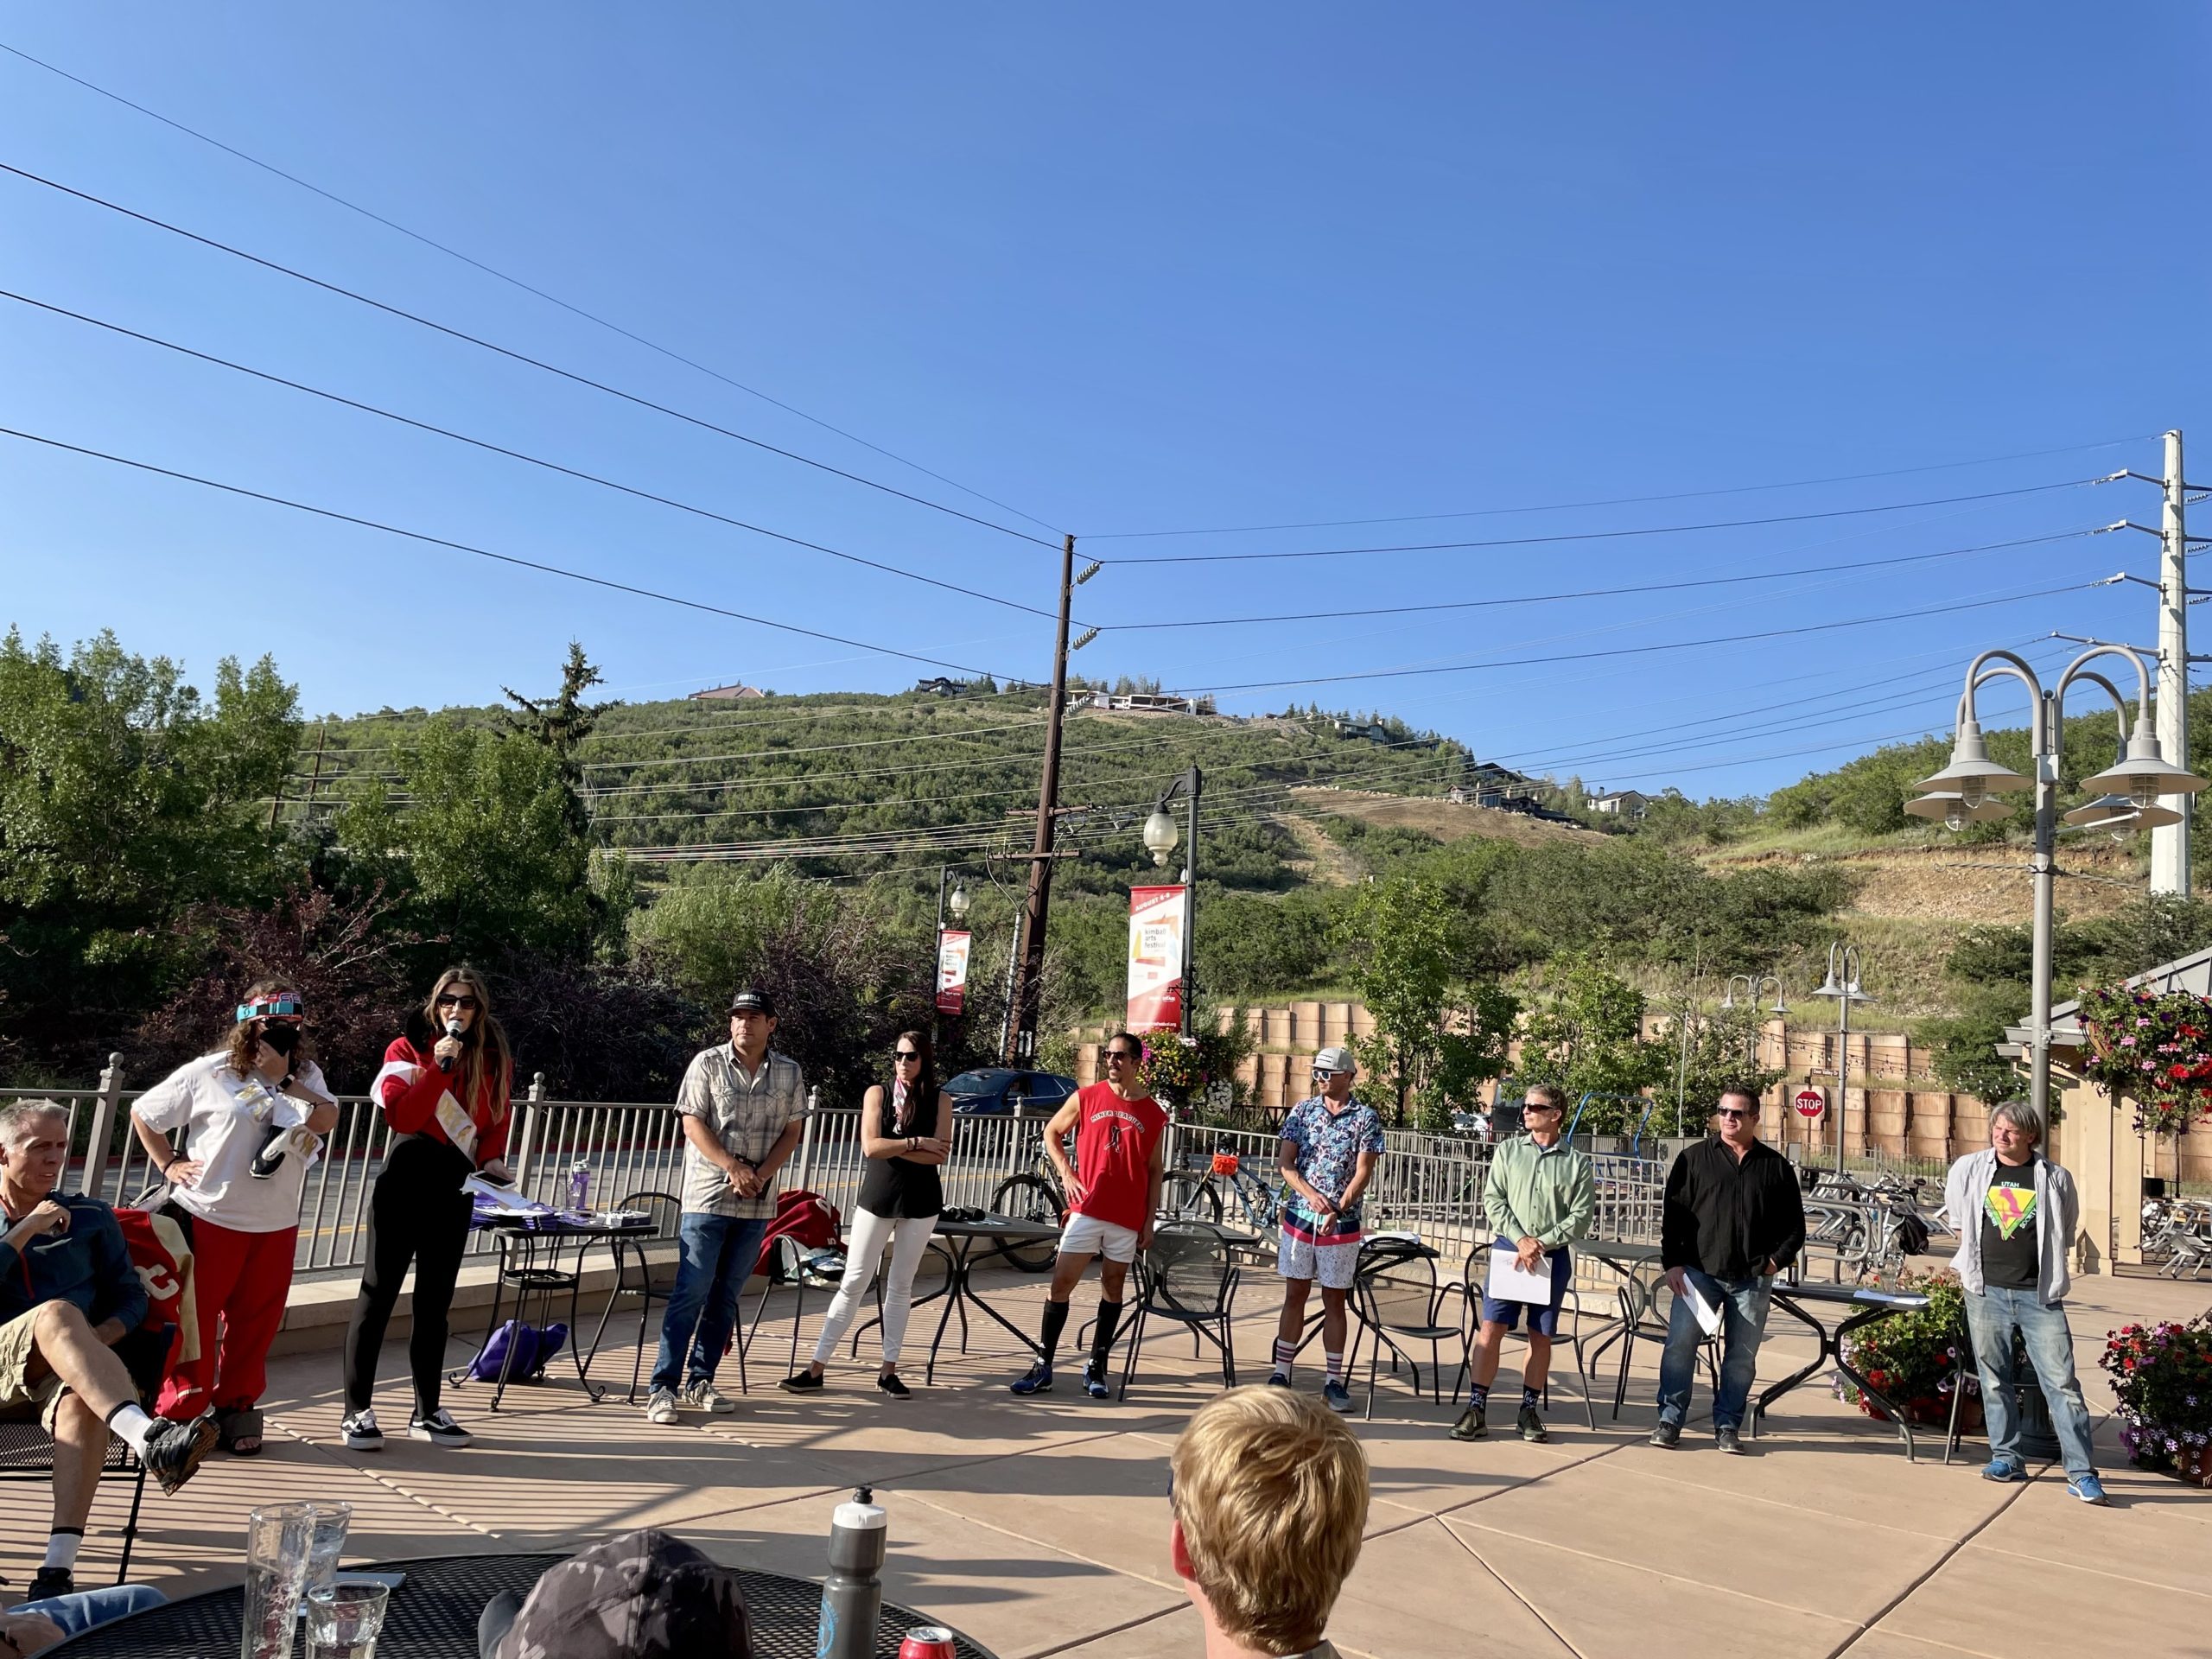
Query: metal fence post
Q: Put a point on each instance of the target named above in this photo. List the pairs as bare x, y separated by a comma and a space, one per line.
806, 1140
105, 1108
526, 1137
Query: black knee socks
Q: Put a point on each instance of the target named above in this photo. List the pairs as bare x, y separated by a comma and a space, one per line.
1102, 1340
1056, 1321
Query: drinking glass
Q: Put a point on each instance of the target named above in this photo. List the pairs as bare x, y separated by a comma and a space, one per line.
279, 1539
344, 1620
327, 1544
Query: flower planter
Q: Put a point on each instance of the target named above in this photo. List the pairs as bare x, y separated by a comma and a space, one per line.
1933, 1411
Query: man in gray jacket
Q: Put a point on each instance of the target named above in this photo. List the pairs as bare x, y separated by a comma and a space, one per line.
2016, 1212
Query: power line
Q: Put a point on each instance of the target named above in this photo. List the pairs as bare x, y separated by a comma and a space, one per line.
515, 281
1615, 500
1593, 592
517, 454
1607, 535
519, 357
1640, 650
481, 553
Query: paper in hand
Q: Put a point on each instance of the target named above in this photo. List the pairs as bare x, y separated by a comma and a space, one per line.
1511, 1282
1707, 1311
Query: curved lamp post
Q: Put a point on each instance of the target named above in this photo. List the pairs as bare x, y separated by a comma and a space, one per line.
2127, 792
1842, 986
1159, 839
1755, 987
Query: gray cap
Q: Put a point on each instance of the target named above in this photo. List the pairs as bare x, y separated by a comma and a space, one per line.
1336, 1058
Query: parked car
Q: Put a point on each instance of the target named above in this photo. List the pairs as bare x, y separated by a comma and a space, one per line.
998, 1091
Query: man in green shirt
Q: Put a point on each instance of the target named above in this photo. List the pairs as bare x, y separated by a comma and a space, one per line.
1541, 1196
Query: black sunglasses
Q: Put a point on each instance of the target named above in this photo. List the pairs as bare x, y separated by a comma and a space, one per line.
904, 1054
1120, 1054
449, 1000
1733, 1112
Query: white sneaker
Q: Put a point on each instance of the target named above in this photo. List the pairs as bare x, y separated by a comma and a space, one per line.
660, 1408
439, 1429
704, 1396
361, 1432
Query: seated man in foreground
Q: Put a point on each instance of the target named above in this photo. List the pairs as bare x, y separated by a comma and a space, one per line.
1269, 1491
67, 1294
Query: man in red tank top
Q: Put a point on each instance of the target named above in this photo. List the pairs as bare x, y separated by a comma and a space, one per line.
1121, 1150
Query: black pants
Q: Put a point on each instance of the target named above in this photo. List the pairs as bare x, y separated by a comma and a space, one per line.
418, 1215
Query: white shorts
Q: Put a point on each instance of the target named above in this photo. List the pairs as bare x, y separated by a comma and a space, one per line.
1334, 1265
1088, 1236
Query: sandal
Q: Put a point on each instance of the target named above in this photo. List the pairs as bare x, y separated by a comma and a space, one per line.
239, 1433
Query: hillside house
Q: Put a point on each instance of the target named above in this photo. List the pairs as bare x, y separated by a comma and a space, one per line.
729, 694
1621, 804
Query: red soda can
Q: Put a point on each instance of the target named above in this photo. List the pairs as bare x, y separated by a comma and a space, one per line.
928, 1642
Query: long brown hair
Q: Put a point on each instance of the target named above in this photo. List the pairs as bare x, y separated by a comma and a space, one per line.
245, 1036
485, 1055
922, 1101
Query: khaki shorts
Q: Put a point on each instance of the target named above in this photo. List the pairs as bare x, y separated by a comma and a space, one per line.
16, 1387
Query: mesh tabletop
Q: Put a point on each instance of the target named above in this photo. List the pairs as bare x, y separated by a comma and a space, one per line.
434, 1613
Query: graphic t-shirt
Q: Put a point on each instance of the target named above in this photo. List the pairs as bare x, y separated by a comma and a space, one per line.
1329, 1145
226, 1118
2008, 1227
1114, 1139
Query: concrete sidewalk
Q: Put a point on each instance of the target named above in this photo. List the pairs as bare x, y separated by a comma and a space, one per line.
1041, 1527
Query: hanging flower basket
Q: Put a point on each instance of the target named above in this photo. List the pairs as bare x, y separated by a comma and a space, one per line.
1174, 1068
2155, 1048
2162, 1376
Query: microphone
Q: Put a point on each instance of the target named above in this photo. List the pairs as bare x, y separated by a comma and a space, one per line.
454, 1029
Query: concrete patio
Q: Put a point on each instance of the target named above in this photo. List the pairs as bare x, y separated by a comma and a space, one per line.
1041, 1527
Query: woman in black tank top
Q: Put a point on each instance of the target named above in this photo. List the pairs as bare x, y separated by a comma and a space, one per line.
905, 1132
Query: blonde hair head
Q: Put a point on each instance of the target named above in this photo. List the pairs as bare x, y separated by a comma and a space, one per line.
1271, 1491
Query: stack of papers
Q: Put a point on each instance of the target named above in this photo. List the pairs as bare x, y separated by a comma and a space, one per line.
493, 1199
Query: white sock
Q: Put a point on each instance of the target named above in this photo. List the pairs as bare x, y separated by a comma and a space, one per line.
61, 1547
130, 1424
1336, 1368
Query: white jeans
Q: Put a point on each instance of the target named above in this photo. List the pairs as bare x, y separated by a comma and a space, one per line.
908, 1236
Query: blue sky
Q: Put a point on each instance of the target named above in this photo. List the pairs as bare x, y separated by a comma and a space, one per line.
1124, 269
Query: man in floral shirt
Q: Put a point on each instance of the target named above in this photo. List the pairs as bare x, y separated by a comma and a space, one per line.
1329, 1143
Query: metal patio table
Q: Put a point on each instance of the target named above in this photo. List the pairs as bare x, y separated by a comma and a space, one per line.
1638, 1288
1865, 1305
435, 1609
961, 1239
529, 1261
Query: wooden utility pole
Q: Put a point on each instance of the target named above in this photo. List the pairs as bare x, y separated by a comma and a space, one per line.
1029, 979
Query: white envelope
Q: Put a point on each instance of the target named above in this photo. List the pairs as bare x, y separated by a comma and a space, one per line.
1511, 1282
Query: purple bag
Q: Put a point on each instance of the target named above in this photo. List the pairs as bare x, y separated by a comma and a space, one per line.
533, 1349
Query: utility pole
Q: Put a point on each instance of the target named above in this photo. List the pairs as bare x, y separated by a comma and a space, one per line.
2170, 843
1028, 979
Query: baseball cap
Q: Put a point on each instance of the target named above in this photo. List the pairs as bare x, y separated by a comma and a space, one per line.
1335, 1058
642, 1595
750, 1000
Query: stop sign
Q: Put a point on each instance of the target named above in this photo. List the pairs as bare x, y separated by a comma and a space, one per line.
1810, 1103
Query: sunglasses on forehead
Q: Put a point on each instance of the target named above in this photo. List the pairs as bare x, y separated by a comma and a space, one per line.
273, 1007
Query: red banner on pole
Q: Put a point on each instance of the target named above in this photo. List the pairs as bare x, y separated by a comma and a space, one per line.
1158, 916
952, 971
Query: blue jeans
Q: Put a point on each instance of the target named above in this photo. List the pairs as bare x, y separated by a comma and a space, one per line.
717, 1254
77, 1613
1991, 1318
1743, 1306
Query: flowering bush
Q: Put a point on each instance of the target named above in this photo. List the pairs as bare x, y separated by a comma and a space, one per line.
1174, 1067
2154, 1048
2161, 1374
1915, 1359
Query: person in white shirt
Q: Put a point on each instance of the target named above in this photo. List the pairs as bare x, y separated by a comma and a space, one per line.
253, 1112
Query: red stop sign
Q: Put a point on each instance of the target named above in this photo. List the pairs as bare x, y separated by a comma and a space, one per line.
1810, 1103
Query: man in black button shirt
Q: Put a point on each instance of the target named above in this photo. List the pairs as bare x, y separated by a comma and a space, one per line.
1733, 1219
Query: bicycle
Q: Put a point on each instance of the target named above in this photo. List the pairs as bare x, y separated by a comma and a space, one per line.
1032, 1194
1205, 1186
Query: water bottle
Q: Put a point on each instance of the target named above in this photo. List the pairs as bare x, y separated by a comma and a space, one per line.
852, 1596
579, 1185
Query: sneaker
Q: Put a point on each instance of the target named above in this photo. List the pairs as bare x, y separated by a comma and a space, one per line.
1729, 1439
2004, 1471
1666, 1433
1474, 1425
1336, 1396
1532, 1426
361, 1432
1038, 1379
1277, 1380
2088, 1489
1094, 1381
49, 1582
439, 1429
800, 1382
174, 1450
660, 1406
703, 1395
889, 1383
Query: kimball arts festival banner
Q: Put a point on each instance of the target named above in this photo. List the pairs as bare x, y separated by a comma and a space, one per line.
1157, 918
952, 971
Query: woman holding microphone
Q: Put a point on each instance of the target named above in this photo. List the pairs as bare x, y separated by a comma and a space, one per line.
905, 1132
251, 1112
444, 1089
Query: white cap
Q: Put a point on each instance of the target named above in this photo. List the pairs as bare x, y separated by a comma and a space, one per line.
858, 1514
1336, 1058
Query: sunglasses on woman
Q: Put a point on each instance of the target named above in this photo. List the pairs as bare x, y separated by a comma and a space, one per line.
903, 1055
452, 999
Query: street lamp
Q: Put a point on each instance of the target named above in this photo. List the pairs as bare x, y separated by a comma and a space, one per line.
1753, 985
1843, 988
955, 904
2127, 796
1159, 839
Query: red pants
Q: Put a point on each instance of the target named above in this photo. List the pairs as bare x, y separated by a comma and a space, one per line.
239, 1284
